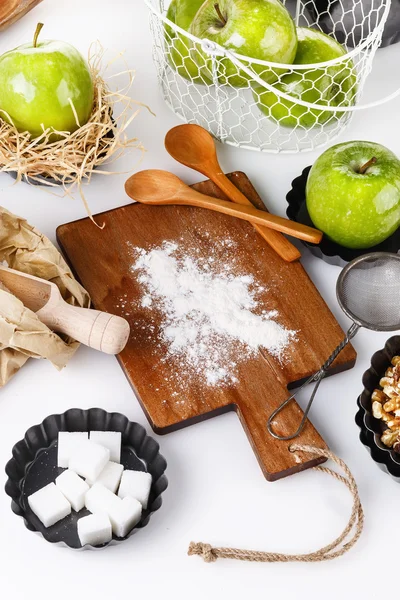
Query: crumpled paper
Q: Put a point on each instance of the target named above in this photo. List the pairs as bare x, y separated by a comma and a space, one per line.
22, 334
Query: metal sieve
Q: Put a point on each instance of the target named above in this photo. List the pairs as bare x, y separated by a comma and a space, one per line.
368, 292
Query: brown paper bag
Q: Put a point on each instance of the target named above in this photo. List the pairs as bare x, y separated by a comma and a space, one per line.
22, 335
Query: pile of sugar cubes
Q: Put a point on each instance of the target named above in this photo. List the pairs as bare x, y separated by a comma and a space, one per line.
93, 479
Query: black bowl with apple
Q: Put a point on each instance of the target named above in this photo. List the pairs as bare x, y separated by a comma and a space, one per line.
58, 96
355, 186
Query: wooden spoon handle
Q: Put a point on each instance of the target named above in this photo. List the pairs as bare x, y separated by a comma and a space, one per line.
276, 240
96, 329
186, 195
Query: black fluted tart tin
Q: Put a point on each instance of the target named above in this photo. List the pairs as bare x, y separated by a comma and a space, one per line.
371, 428
329, 251
34, 465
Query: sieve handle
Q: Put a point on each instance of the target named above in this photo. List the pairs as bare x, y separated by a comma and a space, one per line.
349, 335
317, 377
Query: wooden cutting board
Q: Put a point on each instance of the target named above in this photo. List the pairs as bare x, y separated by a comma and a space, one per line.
12, 10
102, 259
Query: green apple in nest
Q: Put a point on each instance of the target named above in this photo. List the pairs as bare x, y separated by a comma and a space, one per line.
183, 55
353, 194
38, 84
262, 30
333, 86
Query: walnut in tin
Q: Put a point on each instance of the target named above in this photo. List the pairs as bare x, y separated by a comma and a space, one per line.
386, 405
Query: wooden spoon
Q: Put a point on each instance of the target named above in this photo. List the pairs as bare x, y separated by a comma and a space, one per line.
194, 147
160, 187
98, 330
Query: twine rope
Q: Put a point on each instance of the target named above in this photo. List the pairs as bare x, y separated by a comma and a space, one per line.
333, 550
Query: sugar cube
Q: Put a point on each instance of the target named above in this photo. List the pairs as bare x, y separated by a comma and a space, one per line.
100, 500
73, 488
110, 476
88, 460
125, 515
49, 505
67, 443
94, 529
136, 484
110, 440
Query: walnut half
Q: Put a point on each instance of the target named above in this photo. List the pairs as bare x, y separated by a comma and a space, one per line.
389, 438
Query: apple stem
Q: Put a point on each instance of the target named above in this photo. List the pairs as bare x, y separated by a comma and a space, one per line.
367, 165
220, 15
39, 28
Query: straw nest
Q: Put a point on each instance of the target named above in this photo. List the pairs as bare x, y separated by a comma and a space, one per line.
71, 161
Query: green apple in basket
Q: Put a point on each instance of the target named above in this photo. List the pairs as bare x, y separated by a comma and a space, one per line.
183, 55
353, 194
45, 84
259, 29
334, 85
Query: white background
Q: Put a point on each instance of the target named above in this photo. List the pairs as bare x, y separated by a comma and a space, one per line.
216, 491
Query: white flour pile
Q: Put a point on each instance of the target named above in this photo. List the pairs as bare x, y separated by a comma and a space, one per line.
211, 319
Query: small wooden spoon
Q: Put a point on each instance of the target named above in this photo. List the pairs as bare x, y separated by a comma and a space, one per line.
194, 147
96, 329
160, 187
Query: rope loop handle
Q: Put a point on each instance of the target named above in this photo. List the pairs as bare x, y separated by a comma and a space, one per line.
333, 550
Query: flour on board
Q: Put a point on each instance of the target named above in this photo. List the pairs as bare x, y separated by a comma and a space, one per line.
212, 318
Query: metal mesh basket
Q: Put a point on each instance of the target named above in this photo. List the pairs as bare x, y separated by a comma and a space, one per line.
256, 104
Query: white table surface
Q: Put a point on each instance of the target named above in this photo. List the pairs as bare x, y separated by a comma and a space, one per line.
216, 491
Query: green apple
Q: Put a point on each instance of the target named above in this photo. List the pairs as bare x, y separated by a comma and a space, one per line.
353, 194
183, 55
38, 84
259, 29
334, 86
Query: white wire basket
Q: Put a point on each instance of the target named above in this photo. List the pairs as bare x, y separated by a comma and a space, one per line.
256, 104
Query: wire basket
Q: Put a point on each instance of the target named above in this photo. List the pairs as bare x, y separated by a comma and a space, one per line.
261, 105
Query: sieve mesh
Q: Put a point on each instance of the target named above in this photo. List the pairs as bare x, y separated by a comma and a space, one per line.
368, 291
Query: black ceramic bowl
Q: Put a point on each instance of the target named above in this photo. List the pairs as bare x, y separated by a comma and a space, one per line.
39, 180
34, 465
371, 429
330, 252
45, 180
